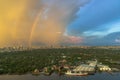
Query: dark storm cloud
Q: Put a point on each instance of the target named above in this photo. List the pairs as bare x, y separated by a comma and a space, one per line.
110, 39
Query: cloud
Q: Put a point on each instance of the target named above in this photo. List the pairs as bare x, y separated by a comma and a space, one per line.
46, 18
110, 39
31, 22
73, 40
54, 17
94, 15
104, 29
11, 12
117, 40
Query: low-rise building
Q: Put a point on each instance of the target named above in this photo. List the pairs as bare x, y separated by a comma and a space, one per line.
104, 67
85, 68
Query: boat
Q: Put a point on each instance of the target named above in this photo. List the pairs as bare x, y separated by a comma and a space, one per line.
76, 73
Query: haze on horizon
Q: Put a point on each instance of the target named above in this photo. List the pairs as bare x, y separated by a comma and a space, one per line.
59, 22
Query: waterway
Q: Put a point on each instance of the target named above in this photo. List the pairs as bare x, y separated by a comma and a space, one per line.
97, 76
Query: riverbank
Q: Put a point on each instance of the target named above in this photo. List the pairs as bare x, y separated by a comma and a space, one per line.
97, 76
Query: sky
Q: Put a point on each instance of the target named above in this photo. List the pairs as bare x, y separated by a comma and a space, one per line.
59, 22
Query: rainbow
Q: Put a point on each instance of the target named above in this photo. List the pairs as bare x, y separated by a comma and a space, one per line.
33, 28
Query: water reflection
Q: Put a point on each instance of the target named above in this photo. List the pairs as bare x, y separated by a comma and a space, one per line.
97, 76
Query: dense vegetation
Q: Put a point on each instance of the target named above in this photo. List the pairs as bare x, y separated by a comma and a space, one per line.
21, 62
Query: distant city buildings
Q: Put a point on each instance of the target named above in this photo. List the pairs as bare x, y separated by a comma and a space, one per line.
14, 48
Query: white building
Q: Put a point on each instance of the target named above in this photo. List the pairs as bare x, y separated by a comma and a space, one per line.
93, 63
104, 68
84, 67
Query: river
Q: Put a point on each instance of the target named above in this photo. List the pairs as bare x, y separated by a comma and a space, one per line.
97, 76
